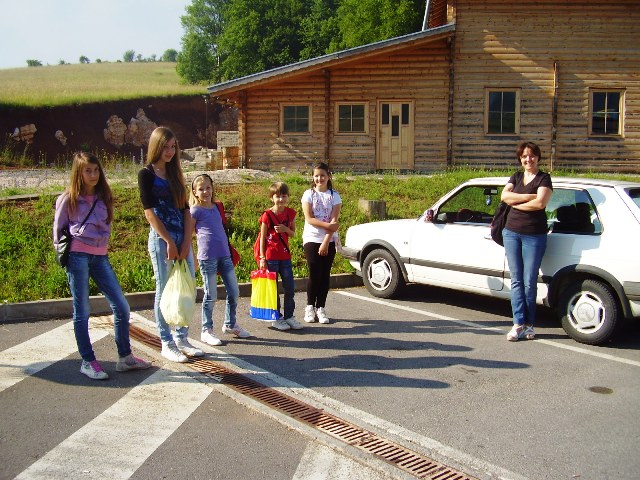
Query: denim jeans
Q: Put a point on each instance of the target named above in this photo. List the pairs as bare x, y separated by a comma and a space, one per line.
158, 253
285, 270
209, 270
80, 268
524, 256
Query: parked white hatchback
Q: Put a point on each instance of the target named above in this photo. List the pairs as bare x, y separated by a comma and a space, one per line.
590, 273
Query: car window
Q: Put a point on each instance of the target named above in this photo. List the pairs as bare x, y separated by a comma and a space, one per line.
571, 211
634, 193
474, 204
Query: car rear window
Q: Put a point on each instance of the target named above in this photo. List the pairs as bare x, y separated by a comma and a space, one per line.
572, 211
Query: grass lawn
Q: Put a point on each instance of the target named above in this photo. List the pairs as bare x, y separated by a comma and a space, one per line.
57, 85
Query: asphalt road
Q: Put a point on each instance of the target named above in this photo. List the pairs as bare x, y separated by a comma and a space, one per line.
432, 372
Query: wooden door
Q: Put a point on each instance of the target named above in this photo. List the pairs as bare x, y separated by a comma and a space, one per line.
395, 135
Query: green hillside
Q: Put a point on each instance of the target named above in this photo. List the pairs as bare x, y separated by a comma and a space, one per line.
58, 85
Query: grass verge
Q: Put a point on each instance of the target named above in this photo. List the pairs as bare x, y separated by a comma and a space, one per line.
28, 270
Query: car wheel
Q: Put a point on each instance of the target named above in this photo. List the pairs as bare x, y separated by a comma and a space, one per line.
588, 311
381, 274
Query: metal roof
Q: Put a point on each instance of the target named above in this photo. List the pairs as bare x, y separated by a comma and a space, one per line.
331, 59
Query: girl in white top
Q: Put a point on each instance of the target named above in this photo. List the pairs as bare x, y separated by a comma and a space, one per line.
321, 207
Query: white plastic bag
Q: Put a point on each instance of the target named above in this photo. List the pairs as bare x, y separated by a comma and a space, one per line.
178, 302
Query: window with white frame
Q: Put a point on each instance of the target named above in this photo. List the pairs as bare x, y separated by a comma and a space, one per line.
606, 112
352, 117
295, 118
502, 111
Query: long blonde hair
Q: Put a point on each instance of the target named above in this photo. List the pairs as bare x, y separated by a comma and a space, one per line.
103, 191
158, 139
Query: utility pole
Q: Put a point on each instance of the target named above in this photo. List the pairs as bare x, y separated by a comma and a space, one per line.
206, 121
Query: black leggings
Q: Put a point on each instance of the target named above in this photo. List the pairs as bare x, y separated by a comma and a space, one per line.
319, 273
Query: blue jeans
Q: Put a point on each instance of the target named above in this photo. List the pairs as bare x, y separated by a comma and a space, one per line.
285, 270
80, 268
209, 270
524, 255
158, 253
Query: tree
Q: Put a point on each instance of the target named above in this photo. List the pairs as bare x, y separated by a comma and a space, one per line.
226, 39
129, 55
319, 29
259, 35
169, 55
367, 21
34, 63
84, 59
202, 24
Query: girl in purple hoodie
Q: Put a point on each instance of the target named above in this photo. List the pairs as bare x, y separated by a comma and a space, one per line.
86, 207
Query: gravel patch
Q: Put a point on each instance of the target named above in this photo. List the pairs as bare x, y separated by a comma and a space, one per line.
40, 178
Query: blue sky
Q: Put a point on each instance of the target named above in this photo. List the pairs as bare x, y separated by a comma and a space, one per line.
54, 30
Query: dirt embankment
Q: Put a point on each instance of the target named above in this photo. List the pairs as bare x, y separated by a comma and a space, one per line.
83, 125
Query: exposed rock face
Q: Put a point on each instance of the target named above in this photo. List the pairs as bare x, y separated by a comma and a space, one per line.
115, 131
105, 127
60, 137
24, 133
139, 129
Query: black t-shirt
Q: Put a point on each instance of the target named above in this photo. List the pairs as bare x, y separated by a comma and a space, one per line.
533, 222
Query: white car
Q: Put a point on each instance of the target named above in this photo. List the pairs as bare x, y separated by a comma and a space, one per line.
590, 273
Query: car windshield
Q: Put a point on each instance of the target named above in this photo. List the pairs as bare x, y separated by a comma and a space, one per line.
474, 204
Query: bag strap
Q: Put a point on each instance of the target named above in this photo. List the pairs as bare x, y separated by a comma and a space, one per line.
224, 223
286, 249
89, 214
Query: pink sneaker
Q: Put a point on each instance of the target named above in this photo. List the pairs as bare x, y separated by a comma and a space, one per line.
131, 363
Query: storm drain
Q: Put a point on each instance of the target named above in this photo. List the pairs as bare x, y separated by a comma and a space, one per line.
407, 460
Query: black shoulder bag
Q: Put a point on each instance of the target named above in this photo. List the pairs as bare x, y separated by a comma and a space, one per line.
64, 240
500, 219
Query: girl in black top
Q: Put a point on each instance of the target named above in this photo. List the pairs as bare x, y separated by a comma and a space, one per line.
164, 199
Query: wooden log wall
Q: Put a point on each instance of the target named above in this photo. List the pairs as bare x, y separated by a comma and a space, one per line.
508, 44
419, 74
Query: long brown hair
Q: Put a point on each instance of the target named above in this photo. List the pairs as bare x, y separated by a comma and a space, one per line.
103, 191
158, 139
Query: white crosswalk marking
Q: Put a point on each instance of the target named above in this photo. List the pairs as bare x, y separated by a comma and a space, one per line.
117, 442
30, 357
322, 463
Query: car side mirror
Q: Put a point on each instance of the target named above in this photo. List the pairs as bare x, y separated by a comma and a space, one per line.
428, 216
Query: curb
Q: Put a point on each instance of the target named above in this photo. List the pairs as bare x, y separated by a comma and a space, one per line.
63, 308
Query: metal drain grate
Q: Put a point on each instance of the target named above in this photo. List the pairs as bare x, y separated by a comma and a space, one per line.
407, 460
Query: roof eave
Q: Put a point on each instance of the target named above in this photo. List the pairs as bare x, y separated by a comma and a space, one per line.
330, 59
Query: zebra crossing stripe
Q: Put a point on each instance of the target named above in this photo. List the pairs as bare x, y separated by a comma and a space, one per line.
28, 358
118, 441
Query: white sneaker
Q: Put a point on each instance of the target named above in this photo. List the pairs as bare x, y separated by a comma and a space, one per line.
310, 314
515, 333
209, 338
170, 352
293, 323
93, 370
237, 330
322, 315
189, 350
280, 325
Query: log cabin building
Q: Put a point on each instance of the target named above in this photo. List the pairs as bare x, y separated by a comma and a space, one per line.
480, 77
